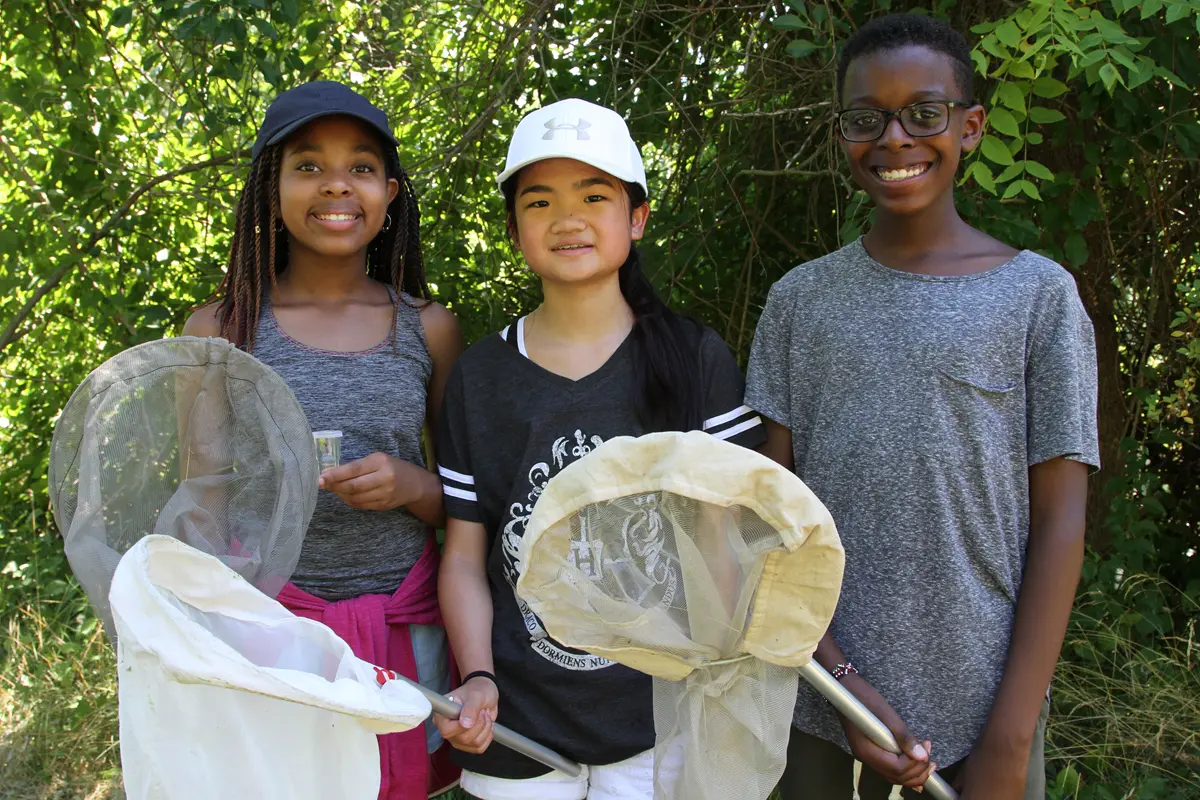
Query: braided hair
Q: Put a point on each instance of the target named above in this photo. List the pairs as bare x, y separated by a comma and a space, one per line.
259, 250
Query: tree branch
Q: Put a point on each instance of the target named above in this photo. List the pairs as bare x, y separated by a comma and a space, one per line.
781, 112
69, 263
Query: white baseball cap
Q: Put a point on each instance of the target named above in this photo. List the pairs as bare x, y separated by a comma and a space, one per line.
580, 130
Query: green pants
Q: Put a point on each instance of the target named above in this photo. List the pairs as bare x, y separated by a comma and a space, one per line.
820, 770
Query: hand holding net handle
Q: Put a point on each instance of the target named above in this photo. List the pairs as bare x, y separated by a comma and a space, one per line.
509, 738
852, 709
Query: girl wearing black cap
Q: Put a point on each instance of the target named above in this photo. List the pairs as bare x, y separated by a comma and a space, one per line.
325, 284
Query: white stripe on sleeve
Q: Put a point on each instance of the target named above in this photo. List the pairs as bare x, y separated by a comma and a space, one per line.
461, 494
726, 417
457, 477
729, 433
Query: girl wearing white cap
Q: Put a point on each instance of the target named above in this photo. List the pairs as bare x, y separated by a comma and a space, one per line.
602, 356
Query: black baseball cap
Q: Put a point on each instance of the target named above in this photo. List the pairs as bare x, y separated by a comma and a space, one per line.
308, 101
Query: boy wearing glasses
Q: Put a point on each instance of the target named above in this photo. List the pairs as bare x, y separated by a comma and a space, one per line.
937, 390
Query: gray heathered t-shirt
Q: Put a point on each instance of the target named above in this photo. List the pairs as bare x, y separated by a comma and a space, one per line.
917, 405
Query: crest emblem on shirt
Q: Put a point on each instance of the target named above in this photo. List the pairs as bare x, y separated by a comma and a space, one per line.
565, 450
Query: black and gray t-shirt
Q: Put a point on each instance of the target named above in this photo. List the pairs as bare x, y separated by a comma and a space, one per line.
917, 405
509, 426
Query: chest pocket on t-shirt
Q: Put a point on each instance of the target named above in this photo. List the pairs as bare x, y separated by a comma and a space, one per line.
975, 416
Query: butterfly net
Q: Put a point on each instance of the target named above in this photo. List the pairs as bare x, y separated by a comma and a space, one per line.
705, 565
188, 438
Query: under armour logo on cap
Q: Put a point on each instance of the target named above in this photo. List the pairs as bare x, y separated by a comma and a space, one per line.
580, 129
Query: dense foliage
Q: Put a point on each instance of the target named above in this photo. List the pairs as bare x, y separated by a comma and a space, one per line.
123, 130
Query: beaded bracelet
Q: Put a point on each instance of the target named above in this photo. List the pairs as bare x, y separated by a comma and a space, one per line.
842, 670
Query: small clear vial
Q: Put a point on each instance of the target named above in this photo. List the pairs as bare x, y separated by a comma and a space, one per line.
329, 449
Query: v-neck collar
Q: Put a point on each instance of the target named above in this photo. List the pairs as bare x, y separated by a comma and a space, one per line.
597, 375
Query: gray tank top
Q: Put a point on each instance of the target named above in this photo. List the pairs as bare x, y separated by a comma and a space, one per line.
376, 398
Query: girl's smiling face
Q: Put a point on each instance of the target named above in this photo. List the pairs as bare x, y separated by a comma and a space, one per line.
333, 187
907, 174
572, 221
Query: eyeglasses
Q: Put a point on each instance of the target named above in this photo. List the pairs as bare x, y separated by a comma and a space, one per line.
927, 118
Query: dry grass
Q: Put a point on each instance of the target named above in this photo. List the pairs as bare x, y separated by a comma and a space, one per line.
58, 715
1127, 705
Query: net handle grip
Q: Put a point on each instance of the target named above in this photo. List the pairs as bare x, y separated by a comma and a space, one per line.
852, 709
509, 738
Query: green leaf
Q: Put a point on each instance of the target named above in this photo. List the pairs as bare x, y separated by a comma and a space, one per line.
1151, 7
983, 175
1003, 121
1033, 137
1045, 116
1021, 69
1012, 171
1009, 33
1075, 249
993, 46
1171, 76
1029, 189
121, 16
790, 22
186, 27
1012, 191
1111, 30
1110, 76
1122, 57
1176, 12
265, 28
1084, 207
1038, 170
980, 61
1143, 73
270, 72
1048, 87
801, 48
1011, 95
994, 150
290, 11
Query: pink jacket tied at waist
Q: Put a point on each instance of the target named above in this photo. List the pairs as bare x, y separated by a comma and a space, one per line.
376, 628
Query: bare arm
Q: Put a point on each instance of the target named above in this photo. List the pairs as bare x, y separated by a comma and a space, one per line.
778, 446
444, 336
1054, 557
466, 603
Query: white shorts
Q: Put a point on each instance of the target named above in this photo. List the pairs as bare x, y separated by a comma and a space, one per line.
632, 779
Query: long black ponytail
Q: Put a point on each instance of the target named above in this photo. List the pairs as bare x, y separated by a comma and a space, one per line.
669, 386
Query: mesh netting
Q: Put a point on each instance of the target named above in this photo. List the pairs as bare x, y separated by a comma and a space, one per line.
704, 565
189, 438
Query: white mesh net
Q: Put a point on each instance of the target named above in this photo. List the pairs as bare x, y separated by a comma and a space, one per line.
705, 565
189, 438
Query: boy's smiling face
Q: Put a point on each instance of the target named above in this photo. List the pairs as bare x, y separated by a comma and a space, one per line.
907, 174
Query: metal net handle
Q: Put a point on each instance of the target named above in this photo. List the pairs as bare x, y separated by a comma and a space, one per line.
509, 738
853, 709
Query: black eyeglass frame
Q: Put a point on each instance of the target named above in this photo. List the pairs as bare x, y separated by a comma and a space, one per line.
888, 115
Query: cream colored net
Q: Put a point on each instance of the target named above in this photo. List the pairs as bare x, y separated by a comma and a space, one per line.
706, 566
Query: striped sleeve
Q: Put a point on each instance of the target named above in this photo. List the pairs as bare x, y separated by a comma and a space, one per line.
726, 414
454, 453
